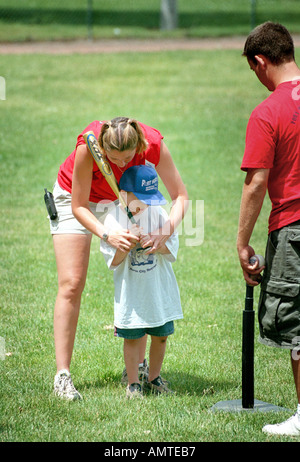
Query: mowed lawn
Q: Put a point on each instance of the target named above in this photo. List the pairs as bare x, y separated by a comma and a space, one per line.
200, 101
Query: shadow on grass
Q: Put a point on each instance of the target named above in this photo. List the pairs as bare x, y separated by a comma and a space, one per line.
184, 383
181, 383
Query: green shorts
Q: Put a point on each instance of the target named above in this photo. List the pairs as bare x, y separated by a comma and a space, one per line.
159, 331
279, 303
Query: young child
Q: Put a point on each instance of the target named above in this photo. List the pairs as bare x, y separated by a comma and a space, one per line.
147, 298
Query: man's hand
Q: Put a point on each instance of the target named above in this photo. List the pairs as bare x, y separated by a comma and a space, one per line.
251, 272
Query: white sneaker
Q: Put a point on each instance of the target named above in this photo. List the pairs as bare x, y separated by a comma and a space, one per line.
290, 427
64, 387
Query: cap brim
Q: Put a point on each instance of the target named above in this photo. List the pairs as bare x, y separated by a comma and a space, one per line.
151, 199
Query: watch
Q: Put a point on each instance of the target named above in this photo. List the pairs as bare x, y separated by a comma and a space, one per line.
104, 237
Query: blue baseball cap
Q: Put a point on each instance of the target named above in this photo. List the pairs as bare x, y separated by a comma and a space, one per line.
142, 180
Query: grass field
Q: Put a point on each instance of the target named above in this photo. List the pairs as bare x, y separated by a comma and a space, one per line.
39, 20
201, 102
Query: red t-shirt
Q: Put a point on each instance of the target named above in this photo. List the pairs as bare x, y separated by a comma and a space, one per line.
273, 142
100, 189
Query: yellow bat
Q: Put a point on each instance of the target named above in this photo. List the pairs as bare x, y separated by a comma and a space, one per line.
104, 167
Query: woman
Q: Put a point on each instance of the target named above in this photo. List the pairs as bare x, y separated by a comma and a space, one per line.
79, 188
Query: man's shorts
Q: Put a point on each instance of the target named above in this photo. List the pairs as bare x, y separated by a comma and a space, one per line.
159, 331
279, 303
66, 223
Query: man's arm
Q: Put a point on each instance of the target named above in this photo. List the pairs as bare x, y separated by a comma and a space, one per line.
253, 195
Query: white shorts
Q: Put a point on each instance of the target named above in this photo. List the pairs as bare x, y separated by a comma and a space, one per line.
65, 222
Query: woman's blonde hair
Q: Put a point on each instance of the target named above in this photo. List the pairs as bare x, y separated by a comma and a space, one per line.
122, 134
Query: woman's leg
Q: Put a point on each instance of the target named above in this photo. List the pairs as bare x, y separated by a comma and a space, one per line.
72, 258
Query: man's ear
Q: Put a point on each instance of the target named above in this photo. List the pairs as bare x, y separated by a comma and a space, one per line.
261, 60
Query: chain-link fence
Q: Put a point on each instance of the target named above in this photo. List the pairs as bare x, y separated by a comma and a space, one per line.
75, 18
69, 19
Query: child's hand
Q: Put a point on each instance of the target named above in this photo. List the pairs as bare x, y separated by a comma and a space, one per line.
146, 241
136, 231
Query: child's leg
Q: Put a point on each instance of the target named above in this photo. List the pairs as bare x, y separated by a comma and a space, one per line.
143, 346
156, 356
131, 358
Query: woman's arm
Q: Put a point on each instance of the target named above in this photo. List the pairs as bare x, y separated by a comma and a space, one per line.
171, 178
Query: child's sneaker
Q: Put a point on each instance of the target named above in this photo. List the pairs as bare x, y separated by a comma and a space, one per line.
134, 391
64, 387
158, 386
290, 427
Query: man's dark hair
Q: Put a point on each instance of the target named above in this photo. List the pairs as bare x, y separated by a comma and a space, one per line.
272, 41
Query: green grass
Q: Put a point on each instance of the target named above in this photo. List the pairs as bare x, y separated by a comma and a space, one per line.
201, 102
37, 20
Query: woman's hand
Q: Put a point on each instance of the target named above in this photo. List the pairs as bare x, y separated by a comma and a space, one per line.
123, 240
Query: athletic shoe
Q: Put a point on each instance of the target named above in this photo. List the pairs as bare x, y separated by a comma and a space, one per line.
158, 386
143, 373
134, 391
290, 427
63, 386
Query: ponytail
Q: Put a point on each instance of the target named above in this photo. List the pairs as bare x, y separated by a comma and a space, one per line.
122, 134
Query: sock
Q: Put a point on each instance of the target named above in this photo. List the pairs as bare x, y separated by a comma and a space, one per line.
141, 365
63, 372
298, 411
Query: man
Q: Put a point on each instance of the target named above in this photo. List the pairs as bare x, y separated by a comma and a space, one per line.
272, 163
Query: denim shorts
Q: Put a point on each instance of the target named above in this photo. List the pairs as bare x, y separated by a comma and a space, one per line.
279, 303
159, 331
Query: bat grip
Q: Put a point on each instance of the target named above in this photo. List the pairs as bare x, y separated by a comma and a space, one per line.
130, 216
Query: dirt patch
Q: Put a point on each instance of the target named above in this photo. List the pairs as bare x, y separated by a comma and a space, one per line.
125, 45
120, 46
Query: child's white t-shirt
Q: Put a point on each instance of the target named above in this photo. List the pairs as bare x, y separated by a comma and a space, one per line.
146, 290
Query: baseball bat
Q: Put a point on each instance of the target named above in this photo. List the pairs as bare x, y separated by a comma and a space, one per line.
104, 167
